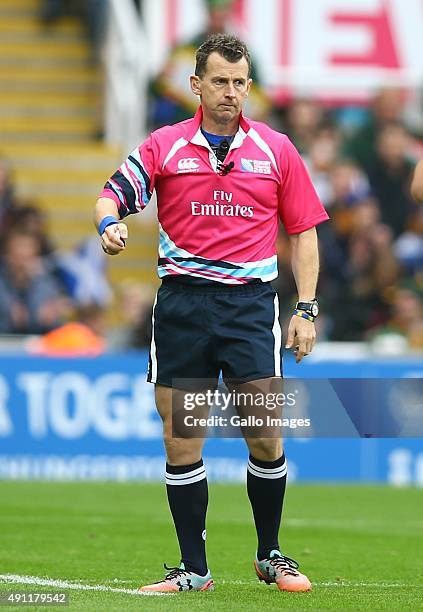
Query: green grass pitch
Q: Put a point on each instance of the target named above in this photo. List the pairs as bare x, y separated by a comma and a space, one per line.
362, 546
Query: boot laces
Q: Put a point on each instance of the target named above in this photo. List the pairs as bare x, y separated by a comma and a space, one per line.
285, 565
174, 572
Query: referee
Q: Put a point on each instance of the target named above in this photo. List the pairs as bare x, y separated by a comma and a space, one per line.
222, 183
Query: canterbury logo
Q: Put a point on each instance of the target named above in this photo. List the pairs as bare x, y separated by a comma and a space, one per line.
188, 163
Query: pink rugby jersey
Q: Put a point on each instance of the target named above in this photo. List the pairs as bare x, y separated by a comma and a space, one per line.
218, 226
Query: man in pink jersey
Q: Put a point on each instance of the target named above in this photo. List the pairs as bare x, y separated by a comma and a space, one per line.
222, 183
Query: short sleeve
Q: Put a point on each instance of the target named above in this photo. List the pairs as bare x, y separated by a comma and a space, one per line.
132, 185
299, 206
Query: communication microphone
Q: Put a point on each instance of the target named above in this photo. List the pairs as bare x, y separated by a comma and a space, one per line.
226, 168
222, 150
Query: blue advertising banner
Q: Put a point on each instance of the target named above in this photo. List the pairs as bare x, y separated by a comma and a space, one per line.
85, 419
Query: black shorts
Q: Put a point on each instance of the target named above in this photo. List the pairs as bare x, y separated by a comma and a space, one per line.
200, 331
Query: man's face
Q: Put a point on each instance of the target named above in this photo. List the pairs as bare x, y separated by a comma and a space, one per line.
223, 88
22, 256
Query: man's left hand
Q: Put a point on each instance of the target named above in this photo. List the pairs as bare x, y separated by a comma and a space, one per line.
301, 337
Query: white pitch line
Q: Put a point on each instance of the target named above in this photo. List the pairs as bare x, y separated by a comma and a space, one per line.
66, 584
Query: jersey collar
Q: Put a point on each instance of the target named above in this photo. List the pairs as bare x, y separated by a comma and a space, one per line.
196, 136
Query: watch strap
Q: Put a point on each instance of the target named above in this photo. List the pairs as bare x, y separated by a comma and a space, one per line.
304, 315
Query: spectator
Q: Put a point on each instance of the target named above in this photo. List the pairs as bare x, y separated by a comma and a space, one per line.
172, 100
357, 295
406, 321
303, 118
30, 219
83, 337
30, 298
348, 188
322, 153
390, 176
386, 269
386, 107
349, 184
368, 272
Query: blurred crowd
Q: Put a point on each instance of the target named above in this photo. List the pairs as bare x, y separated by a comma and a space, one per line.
361, 160
62, 297
371, 280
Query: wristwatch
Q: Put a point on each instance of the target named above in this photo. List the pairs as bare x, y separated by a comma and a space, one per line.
308, 308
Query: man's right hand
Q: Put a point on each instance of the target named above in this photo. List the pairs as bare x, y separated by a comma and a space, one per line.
114, 238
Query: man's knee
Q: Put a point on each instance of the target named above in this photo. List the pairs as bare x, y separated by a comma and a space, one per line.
265, 449
179, 451
182, 451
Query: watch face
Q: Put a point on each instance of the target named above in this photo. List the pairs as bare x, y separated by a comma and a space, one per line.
315, 310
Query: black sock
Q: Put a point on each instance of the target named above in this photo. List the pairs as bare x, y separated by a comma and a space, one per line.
188, 496
266, 481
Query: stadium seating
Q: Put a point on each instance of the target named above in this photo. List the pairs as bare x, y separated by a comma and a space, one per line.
50, 124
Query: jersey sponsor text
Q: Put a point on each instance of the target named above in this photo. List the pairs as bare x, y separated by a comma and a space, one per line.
218, 209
